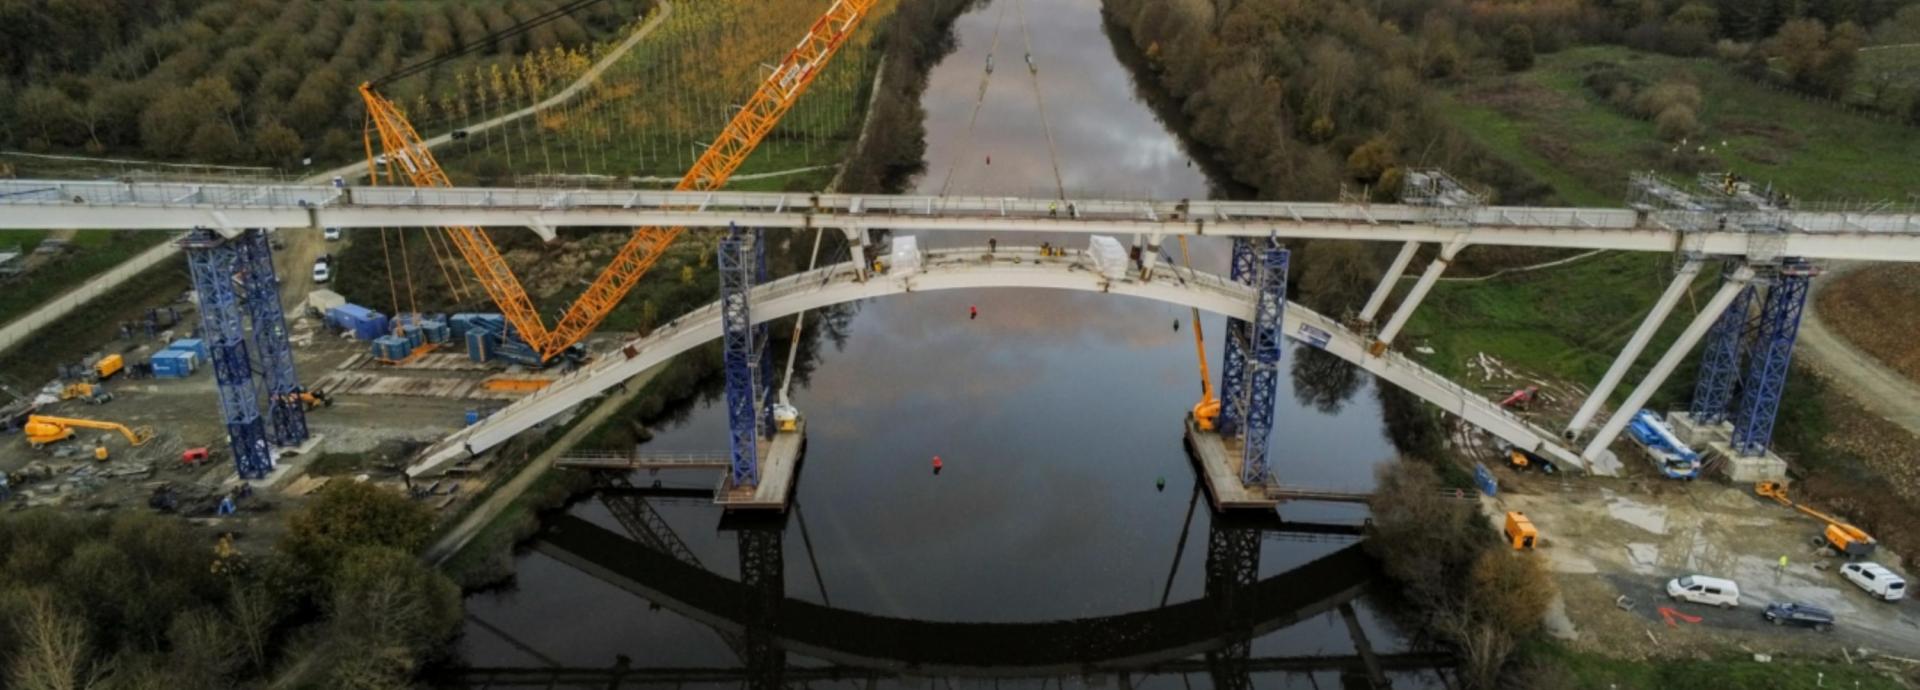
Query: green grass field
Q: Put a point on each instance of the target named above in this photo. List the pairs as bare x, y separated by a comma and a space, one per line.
93, 252
1545, 121
1569, 321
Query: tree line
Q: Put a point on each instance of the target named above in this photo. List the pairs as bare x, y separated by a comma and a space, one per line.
256, 81
137, 600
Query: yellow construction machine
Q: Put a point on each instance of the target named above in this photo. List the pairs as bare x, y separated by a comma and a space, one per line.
93, 393
1207, 411
1841, 536
42, 430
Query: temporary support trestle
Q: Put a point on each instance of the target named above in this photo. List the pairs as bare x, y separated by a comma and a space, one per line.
214, 261
286, 414
1720, 362
1251, 372
1769, 357
738, 268
1233, 566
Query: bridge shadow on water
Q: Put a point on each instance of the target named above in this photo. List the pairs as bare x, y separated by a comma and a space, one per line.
1210, 636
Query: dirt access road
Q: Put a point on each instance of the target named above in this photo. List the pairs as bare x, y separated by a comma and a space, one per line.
1877, 386
1610, 538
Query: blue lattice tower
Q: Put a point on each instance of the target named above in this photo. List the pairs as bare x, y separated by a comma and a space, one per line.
1720, 362
738, 359
1769, 357
763, 340
1263, 369
1233, 362
286, 415
763, 572
214, 261
1233, 566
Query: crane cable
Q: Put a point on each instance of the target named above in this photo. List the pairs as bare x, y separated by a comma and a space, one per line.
793, 347
978, 101
1033, 70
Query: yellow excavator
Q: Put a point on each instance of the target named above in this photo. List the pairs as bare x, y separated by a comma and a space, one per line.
1841, 536
42, 430
1207, 411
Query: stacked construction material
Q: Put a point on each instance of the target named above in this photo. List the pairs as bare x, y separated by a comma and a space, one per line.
391, 348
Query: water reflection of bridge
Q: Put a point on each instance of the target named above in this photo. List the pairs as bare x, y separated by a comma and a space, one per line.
1212, 634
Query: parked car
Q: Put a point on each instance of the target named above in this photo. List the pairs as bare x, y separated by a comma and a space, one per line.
322, 271
330, 234
1802, 615
1876, 579
1701, 589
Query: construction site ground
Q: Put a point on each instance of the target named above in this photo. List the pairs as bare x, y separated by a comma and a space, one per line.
380, 415
1612, 545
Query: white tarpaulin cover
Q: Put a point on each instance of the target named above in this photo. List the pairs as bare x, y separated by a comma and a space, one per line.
1109, 257
905, 257
322, 300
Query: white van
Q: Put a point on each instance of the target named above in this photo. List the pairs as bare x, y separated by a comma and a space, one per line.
1701, 589
1876, 579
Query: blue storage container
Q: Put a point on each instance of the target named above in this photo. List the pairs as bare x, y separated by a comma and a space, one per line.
173, 364
413, 335
436, 331
371, 328
473, 417
391, 348
195, 345
480, 346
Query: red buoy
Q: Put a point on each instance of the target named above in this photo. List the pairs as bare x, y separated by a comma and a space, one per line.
937, 464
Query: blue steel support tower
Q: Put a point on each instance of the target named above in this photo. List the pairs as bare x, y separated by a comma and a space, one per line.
1263, 378
1769, 357
1720, 362
763, 340
214, 261
1233, 364
286, 415
738, 358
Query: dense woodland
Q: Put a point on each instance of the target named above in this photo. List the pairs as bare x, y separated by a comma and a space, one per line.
257, 81
135, 600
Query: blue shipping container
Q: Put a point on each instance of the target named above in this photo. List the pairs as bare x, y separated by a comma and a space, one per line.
195, 345
349, 315
173, 364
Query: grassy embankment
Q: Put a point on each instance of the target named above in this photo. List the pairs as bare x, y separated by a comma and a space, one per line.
1565, 669
1568, 322
33, 360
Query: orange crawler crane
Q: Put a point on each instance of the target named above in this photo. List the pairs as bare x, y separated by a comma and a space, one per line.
408, 157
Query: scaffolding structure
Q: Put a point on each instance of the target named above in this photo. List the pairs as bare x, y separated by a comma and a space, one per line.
1263, 377
1720, 360
1233, 362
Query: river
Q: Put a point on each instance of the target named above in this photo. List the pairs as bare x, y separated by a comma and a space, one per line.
1056, 416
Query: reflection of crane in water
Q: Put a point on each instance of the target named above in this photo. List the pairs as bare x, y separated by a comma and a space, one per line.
763, 625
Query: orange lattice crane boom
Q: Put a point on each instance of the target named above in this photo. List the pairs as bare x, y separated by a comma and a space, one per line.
408, 156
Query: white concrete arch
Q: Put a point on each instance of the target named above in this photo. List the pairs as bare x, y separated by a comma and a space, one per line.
956, 269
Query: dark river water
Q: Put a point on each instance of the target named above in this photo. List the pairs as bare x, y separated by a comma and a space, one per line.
1055, 413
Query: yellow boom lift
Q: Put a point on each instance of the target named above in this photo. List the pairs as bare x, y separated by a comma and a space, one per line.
1207, 411
1841, 536
408, 158
42, 430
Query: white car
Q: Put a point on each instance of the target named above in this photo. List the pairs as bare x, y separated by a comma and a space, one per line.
1876, 579
1701, 589
330, 234
321, 271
